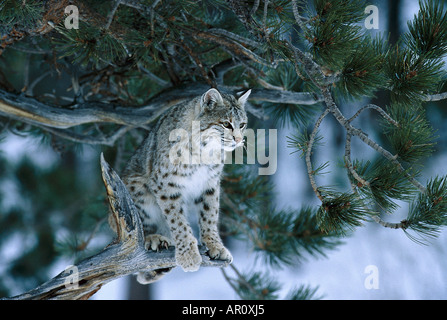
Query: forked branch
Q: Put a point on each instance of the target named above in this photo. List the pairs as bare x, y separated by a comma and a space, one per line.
126, 255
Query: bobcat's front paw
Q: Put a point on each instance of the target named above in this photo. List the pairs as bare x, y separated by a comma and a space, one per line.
219, 252
188, 257
156, 242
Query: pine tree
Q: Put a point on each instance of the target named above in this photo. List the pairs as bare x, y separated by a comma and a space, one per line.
105, 83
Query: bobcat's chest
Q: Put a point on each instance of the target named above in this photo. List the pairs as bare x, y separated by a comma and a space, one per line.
197, 180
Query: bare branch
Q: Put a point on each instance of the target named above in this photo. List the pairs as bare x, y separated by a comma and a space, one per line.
298, 18
349, 165
112, 13
379, 110
234, 47
38, 113
436, 97
153, 77
124, 256
254, 8
235, 37
264, 21
393, 225
310, 171
88, 139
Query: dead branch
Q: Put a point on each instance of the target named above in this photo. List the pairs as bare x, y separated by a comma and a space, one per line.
125, 256
32, 111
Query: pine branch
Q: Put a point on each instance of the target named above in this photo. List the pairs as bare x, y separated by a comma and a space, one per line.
332, 107
38, 20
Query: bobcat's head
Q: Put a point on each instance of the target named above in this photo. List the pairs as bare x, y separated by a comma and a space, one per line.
222, 118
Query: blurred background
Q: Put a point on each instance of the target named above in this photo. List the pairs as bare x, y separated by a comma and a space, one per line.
52, 200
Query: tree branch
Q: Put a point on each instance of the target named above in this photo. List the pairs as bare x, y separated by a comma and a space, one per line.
233, 46
32, 111
393, 225
349, 165
330, 104
125, 256
436, 97
298, 18
310, 170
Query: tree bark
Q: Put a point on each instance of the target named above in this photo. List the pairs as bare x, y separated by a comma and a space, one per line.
32, 111
126, 255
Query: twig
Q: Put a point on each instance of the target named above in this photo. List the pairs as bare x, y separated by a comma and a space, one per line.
222, 68
264, 21
351, 169
241, 279
436, 97
112, 13
229, 280
310, 171
312, 69
235, 37
254, 8
87, 139
198, 63
299, 19
153, 77
267, 85
85, 243
400, 225
317, 77
233, 46
378, 109
26, 72
152, 14
30, 88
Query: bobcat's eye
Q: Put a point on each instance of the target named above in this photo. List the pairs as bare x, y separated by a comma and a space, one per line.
242, 126
227, 125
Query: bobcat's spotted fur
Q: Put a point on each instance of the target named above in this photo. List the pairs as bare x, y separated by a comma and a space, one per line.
163, 185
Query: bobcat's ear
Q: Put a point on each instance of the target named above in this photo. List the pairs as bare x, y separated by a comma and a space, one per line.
210, 97
243, 99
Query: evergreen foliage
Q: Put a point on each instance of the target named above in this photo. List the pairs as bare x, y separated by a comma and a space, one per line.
428, 212
127, 54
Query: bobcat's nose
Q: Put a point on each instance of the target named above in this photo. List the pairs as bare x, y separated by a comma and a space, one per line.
237, 139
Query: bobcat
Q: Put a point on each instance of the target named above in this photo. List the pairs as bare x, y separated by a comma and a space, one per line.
162, 178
